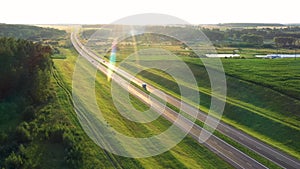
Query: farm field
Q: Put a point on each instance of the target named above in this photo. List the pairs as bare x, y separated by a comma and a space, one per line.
255, 92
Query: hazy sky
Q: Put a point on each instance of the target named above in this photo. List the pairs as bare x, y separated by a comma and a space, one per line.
107, 11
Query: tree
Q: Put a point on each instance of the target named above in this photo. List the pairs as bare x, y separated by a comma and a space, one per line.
214, 34
285, 41
253, 39
24, 68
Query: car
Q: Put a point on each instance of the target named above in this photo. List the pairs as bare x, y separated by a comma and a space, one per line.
144, 85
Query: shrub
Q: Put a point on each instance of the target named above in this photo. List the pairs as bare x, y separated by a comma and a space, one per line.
28, 113
14, 161
22, 133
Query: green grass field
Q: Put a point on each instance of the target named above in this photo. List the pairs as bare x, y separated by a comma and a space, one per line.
187, 154
265, 102
281, 75
263, 91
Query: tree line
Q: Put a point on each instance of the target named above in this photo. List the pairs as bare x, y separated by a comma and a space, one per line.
24, 69
25, 72
32, 120
28, 32
239, 36
288, 37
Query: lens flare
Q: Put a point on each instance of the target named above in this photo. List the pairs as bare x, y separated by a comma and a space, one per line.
112, 59
133, 33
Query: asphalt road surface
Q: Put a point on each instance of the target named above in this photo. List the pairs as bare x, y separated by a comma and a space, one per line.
226, 151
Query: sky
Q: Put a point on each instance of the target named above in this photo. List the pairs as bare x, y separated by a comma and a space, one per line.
108, 11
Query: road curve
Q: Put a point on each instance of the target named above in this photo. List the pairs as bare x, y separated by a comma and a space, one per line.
235, 157
278, 157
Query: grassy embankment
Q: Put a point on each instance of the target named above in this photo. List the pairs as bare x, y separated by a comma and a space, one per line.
256, 93
262, 91
187, 154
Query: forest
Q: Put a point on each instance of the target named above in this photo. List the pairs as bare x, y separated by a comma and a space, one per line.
287, 37
21, 63
36, 130
25, 72
33, 126
227, 35
28, 32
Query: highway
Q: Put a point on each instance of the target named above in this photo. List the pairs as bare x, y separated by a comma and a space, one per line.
226, 151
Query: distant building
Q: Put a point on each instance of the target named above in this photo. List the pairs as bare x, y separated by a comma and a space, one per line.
222, 55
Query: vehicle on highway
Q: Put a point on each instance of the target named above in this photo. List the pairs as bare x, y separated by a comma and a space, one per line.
144, 85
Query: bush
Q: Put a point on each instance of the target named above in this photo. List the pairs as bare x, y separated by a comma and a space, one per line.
14, 161
3, 137
56, 135
73, 149
22, 133
28, 113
